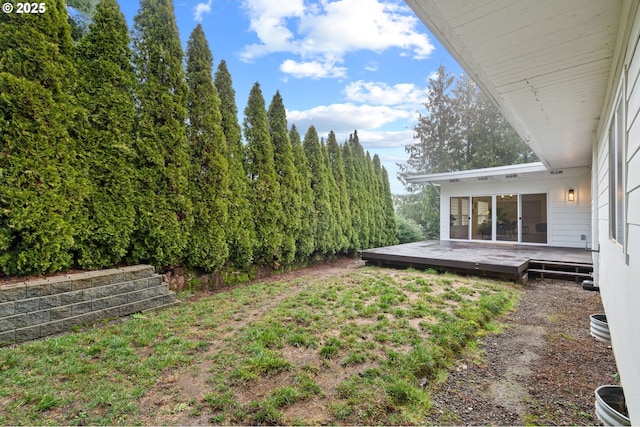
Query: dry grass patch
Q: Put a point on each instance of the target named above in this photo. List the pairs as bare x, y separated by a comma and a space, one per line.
340, 348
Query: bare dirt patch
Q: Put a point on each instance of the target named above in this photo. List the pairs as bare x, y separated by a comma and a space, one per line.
542, 369
172, 400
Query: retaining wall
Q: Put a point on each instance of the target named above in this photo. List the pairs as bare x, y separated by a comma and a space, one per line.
41, 307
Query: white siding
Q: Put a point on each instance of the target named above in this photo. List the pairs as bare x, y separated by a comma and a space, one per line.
568, 221
619, 267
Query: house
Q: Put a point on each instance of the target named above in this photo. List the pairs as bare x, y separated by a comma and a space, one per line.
565, 74
532, 204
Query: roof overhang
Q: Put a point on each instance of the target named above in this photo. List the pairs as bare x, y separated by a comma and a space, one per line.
521, 172
545, 64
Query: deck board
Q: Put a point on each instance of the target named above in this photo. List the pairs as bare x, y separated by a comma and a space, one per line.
472, 257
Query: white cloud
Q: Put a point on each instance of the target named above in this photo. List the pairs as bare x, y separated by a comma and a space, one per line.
348, 25
312, 69
346, 117
268, 19
327, 30
371, 66
379, 93
201, 9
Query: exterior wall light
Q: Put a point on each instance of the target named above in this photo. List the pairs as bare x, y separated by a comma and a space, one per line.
571, 195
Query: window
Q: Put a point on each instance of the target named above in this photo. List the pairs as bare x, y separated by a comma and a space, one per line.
616, 173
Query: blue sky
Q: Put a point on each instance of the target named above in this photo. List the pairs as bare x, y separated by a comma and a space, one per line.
339, 65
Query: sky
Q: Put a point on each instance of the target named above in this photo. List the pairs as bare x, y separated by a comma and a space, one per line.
340, 65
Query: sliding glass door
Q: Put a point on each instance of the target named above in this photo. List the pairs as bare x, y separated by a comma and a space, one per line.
481, 224
534, 218
502, 217
459, 219
507, 217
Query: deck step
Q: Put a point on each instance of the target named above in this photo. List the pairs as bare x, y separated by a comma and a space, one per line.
561, 263
571, 269
566, 273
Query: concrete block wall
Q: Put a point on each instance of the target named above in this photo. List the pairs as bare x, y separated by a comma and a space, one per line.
41, 307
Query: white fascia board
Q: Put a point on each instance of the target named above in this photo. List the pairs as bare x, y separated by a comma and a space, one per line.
437, 178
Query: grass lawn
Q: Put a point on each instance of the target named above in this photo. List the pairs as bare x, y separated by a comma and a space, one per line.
360, 346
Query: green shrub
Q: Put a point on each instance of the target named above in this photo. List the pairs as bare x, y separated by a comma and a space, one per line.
407, 230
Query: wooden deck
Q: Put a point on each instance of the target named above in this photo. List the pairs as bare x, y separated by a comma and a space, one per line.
500, 260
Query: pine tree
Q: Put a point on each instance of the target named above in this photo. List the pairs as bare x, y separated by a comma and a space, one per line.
40, 189
207, 247
164, 215
263, 180
325, 226
437, 130
305, 242
105, 91
240, 227
343, 212
288, 179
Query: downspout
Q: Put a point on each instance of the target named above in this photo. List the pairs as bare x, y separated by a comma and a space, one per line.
595, 229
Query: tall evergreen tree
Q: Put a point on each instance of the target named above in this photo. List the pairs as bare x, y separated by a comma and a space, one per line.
340, 200
263, 180
240, 227
353, 195
105, 91
305, 242
164, 215
288, 179
391, 226
437, 130
460, 130
209, 181
375, 208
364, 202
388, 216
325, 225
40, 189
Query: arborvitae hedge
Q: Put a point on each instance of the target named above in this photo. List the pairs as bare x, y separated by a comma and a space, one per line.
288, 179
343, 212
362, 199
353, 196
325, 225
305, 239
143, 163
40, 188
266, 208
209, 181
164, 215
387, 213
375, 210
389, 210
240, 228
105, 92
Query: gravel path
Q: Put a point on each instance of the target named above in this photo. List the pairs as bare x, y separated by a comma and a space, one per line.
542, 369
